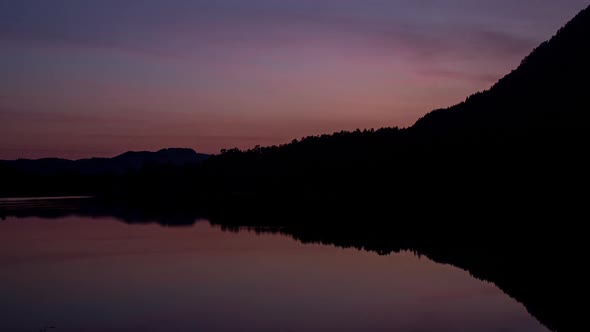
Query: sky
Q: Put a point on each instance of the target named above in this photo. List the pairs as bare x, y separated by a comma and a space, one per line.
84, 78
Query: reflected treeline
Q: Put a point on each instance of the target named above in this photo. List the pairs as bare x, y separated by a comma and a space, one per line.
536, 259
538, 265
540, 268
543, 276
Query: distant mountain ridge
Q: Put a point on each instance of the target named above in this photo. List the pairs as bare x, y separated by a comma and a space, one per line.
121, 164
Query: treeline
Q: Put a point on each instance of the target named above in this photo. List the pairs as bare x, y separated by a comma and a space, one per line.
520, 145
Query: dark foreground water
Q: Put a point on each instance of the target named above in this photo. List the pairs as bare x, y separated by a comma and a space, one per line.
98, 274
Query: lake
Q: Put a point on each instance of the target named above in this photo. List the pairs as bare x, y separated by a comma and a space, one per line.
81, 273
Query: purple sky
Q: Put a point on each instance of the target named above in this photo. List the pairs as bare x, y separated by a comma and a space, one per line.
97, 78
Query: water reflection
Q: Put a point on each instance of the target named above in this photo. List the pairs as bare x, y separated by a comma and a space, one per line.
78, 273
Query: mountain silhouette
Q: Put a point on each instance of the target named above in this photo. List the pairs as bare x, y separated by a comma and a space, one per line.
94, 176
519, 144
548, 90
121, 164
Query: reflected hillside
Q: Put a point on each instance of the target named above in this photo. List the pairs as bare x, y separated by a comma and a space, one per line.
545, 278
540, 268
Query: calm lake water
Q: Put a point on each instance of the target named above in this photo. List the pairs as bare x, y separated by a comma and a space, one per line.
99, 274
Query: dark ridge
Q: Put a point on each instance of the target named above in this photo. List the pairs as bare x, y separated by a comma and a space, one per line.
525, 137
59, 177
548, 90
518, 147
120, 164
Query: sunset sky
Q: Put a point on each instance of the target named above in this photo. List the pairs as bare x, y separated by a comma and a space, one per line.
97, 78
